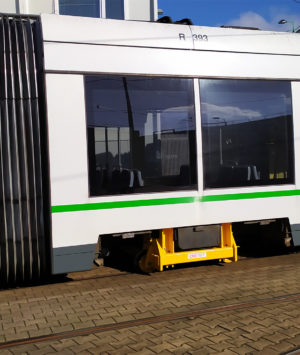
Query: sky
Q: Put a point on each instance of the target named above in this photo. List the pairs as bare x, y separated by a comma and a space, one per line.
263, 14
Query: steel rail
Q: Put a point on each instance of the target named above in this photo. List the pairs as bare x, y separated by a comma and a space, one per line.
147, 321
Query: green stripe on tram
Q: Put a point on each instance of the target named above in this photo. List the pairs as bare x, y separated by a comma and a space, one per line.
171, 201
123, 204
250, 195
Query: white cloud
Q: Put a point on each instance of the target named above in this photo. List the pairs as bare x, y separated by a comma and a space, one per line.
252, 19
228, 113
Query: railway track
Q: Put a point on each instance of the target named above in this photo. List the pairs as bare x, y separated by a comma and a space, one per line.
151, 320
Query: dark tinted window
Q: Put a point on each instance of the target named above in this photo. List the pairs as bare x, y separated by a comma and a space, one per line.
247, 133
141, 134
86, 8
114, 9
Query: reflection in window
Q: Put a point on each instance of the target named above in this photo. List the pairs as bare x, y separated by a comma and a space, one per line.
87, 8
114, 9
247, 133
141, 134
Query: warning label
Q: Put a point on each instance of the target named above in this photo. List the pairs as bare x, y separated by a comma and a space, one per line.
197, 255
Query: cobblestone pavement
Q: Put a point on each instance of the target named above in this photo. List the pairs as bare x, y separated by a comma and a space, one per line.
249, 307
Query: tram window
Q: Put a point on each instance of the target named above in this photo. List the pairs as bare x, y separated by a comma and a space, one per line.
115, 9
141, 134
247, 133
88, 8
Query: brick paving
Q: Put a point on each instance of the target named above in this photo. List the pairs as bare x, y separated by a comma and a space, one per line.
108, 299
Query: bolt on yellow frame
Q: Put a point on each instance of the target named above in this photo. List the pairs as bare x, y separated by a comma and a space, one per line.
161, 253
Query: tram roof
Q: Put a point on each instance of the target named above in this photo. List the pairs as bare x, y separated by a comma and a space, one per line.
72, 29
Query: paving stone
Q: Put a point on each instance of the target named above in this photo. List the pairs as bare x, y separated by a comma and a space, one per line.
141, 345
220, 347
238, 341
45, 350
179, 341
295, 340
40, 332
183, 349
230, 325
19, 336
62, 329
242, 350
228, 352
204, 351
142, 315
124, 334
256, 335
157, 349
56, 308
218, 338
265, 322
276, 337
63, 344
83, 325
121, 351
141, 329
283, 346
145, 352
78, 348
214, 331
269, 351
121, 319
102, 348
291, 331
106, 321
251, 327
260, 344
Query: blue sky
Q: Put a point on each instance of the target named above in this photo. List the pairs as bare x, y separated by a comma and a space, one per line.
264, 14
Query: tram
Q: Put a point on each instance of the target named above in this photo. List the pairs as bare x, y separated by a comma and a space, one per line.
169, 134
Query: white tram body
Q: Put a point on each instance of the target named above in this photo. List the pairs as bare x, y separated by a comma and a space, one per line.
80, 50
75, 47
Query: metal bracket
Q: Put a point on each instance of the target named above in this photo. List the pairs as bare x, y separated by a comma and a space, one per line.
160, 251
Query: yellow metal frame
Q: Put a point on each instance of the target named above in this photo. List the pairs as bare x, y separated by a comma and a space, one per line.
160, 251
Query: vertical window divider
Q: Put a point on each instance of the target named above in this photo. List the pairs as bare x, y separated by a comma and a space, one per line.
295, 86
126, 9
55, 7
102, 8
155, 10
197, 96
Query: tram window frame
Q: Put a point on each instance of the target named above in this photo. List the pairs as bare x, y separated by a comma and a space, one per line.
159, 153
267, 138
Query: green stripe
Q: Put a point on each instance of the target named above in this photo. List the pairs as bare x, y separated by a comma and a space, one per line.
123, 204
249, 195
171, 201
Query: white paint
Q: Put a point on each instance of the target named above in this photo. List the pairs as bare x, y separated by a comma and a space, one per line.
8, 6
138, 10
149, 34
102, 59
67, 139
77, 228
114, 32
248, 41
40, 6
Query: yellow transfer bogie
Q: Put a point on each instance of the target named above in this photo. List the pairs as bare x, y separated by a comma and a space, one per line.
160, 252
